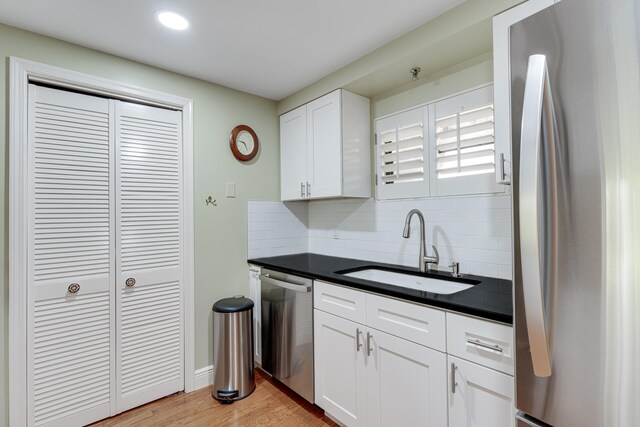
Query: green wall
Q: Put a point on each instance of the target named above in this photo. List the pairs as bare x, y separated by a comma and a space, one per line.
220, 232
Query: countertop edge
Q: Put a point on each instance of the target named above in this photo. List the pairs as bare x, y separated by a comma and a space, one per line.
387, 290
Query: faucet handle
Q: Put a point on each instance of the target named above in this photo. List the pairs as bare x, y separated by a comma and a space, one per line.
455, 269
437, 255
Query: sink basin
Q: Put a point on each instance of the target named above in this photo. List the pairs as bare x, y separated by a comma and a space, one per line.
412, 281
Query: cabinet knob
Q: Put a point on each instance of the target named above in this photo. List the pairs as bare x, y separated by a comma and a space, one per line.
73, 288
130, 282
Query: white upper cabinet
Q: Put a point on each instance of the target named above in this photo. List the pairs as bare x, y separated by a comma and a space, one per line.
502, 81
293, 153
325, 148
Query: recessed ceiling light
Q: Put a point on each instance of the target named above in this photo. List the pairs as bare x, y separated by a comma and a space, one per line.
172, 20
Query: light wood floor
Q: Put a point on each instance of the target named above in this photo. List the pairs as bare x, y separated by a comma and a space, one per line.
271, 404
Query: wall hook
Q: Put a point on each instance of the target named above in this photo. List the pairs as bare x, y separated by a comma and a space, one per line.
211, 200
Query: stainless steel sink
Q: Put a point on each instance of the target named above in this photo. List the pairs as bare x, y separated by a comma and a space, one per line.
412, 281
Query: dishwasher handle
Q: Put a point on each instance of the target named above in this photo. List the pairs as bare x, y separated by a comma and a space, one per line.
282, 284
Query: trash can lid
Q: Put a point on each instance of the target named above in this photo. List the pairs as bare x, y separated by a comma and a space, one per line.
233, 305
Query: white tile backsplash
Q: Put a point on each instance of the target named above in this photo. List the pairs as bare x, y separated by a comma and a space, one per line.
276, 228
474, 231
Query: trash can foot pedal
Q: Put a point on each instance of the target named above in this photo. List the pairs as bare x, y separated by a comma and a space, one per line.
225, 396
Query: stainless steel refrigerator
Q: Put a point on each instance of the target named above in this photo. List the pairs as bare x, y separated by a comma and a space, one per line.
575, 104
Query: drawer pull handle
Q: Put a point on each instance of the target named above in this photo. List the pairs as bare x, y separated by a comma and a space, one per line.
479, 343
73, 288
358, 343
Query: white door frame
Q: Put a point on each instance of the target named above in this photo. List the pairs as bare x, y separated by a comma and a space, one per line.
21, 73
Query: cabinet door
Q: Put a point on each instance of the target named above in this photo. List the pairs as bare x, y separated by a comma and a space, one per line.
502, 81
293, 154
70, 312
406, 383
340, 381
149, 264
324, 136
481, 396
254, 291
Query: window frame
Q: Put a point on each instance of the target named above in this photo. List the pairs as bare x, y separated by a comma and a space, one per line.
431, 186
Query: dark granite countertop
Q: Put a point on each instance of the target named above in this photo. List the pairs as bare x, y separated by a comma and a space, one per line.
489, 299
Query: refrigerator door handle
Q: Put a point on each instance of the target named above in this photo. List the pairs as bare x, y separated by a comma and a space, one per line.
538, 193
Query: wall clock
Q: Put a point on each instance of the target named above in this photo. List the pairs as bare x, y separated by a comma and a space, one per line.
244, 143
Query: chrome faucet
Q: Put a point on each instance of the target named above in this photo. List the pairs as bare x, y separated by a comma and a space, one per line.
423, 259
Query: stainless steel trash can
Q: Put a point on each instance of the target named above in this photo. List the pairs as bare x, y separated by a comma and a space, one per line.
233, 376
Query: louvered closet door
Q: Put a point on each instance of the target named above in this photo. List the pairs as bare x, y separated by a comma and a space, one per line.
149, 263
70, 254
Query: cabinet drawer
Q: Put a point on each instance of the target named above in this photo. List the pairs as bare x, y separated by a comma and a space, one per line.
486, 343
420, 324
344, 302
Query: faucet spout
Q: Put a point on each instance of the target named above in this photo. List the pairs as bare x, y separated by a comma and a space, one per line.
423, 260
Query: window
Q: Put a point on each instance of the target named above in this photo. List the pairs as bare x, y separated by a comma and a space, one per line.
462, 144
401, 156
443, 148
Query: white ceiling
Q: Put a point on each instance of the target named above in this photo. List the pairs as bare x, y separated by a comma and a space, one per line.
267, 48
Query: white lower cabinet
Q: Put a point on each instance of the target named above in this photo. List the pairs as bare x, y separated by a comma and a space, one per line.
380, 372
255, 295
365, 377
406, 383
340, 371
479, 396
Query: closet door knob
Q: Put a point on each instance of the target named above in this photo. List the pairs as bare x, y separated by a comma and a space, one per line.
130, 282
73, 288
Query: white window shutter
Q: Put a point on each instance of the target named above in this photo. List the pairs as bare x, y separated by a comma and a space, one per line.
401, 158
462, 144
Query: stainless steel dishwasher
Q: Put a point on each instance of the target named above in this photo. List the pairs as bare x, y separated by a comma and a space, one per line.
287, 330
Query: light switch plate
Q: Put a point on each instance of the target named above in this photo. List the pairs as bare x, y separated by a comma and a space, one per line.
231, 190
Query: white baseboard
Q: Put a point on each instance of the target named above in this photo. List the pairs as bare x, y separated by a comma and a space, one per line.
203, 377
